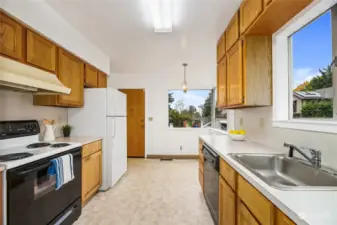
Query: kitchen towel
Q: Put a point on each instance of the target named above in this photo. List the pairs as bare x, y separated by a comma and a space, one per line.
62, 168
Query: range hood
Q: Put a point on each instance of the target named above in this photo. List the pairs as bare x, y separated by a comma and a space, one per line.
21, 77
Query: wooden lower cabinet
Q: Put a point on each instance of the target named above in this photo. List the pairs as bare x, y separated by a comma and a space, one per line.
201, 166
257, 203
201, 179
282, 219
226, 203
244, 217
240, 203
91, 175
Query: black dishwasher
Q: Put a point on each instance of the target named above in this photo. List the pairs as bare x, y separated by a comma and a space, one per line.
211, 181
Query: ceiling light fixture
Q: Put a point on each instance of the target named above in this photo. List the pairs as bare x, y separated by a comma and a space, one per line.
184, 88
161, 12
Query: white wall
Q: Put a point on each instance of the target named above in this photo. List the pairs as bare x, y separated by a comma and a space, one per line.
41, 17
275, 137
19, 106
160, 139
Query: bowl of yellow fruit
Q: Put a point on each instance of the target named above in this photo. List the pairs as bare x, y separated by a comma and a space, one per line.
237, 135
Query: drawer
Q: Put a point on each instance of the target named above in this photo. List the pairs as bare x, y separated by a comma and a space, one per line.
228, 173
91, 148
260, 207
282, 219
201, 166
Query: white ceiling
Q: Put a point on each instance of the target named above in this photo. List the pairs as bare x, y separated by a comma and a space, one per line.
122, 29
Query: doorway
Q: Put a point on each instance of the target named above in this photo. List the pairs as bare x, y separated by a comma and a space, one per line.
135, 122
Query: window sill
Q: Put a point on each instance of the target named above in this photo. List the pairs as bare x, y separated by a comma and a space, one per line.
324, 126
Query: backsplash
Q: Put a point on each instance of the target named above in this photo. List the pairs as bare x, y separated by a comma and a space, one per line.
19, 106
263, 132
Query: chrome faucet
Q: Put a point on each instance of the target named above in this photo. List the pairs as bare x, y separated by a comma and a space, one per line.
316, 155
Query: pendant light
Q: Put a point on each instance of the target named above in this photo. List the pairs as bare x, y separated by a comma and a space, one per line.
184, 88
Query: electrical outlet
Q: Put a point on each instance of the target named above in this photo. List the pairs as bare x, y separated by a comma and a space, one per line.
241, 121
181, 147
261, 121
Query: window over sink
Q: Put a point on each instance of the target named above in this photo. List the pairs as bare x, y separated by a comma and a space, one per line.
311, 55
304, 86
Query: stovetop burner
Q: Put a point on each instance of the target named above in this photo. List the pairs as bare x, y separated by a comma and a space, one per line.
59, 145
14, 156
38, 145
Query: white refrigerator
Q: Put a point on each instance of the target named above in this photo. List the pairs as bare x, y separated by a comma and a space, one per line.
104, 115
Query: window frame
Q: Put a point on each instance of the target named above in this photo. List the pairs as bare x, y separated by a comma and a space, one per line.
282, 97
189, 128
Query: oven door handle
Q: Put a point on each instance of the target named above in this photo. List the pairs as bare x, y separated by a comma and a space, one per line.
22, 173
77, 153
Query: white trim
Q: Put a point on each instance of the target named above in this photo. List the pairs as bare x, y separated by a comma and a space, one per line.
282, 96
309, 125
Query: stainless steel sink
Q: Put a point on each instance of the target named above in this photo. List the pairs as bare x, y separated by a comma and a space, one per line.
285, 173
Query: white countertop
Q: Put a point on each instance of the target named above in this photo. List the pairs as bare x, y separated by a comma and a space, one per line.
303, 207
81, 140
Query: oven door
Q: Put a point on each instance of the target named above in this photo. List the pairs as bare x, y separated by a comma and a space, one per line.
31, 195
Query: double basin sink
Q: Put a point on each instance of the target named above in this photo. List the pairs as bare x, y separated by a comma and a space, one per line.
282, 172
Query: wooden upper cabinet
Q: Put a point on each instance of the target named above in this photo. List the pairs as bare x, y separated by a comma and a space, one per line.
226, 203
232, 32
91, 76
235, 75
244, 217
221, 48
282, 219
276, 14
222, 83
71, 74
249, 11
11, 37
102, 80
41, 52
